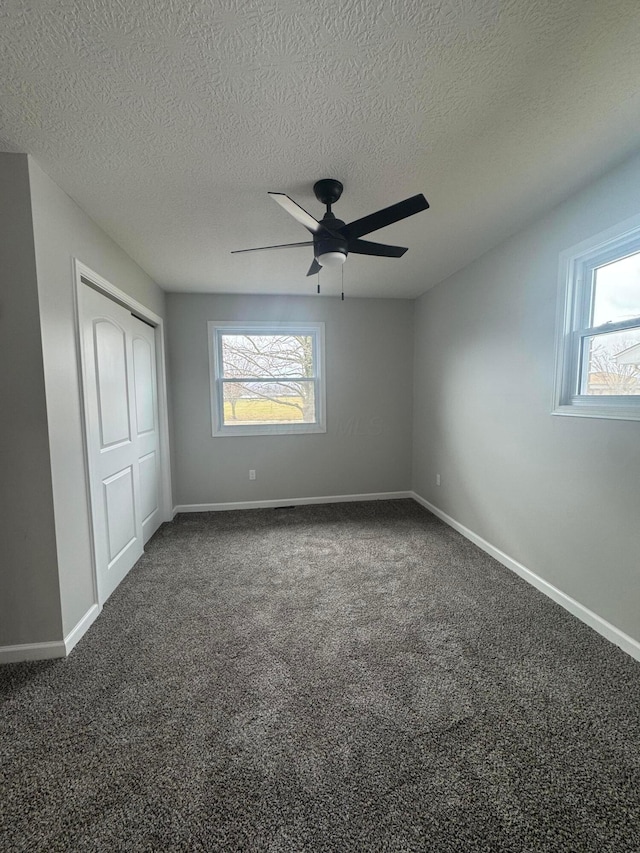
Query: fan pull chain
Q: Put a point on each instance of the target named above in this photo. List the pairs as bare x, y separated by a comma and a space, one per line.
342, 271
318, 281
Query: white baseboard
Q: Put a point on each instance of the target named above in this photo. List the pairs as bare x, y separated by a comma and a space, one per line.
615, 635
32, 651
53, 649
326, 499
82, 627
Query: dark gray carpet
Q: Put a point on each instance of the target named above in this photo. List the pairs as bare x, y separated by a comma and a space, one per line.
354, 677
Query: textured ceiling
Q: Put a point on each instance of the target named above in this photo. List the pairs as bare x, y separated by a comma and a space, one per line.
168, 121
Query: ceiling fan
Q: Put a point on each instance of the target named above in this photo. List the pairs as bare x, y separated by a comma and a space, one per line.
332, 238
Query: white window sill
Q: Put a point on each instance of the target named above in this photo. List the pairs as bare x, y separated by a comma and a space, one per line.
580, 409
236, 431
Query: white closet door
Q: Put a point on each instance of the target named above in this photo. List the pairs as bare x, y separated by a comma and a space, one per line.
121, 416
146, 424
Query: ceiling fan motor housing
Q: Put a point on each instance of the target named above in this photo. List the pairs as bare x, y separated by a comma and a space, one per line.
325, 244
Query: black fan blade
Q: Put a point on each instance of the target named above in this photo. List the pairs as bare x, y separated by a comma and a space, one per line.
299, 213
365, 247
281, 246
314, 268
384, 217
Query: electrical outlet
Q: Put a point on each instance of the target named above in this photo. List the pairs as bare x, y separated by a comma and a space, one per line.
437, 479
252, 473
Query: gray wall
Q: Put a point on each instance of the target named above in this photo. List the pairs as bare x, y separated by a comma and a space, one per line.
367, 447
559, 494
29, 595
62, 232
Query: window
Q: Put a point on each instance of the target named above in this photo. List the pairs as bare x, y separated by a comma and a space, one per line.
598, 355
267, 379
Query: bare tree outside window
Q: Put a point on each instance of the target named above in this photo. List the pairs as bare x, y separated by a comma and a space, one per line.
273, 378
232, 393
608, 373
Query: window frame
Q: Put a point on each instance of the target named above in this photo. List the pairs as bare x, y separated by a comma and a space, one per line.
575, 303
217, 328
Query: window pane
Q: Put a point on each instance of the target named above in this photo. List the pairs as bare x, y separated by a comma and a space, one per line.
263, 356
613, 363
290, 402
617, 291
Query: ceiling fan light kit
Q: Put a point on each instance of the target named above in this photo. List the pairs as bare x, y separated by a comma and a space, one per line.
333, 239
332, 259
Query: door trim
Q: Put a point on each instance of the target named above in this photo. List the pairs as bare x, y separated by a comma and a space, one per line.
84, 276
